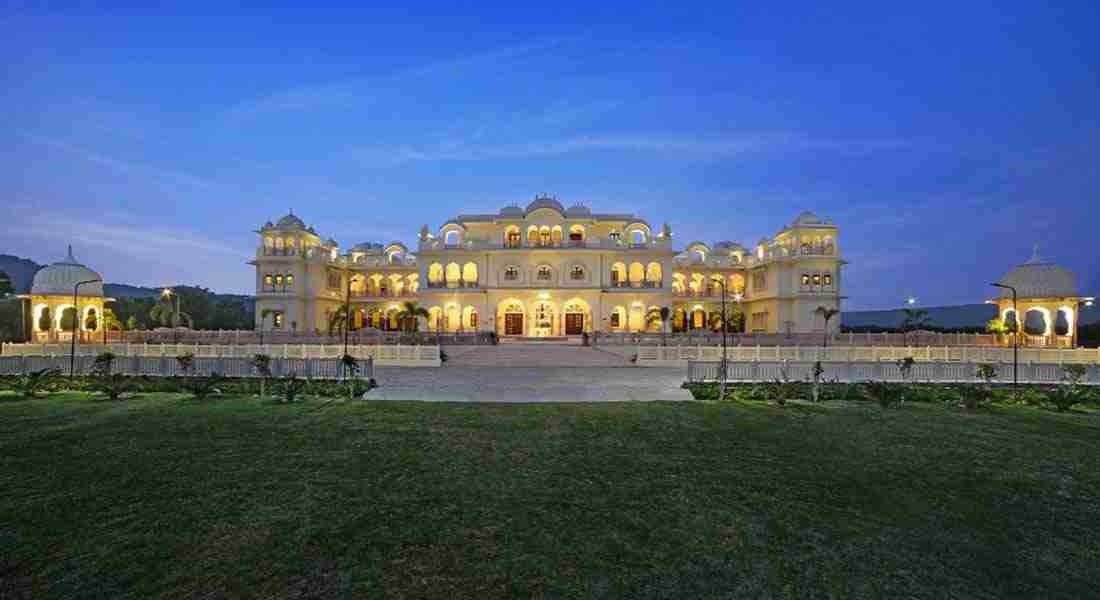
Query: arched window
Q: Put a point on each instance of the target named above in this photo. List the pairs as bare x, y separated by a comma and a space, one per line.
511, 273
469, 274
637, 236
289, 281
653, 274
435, 274
454, 273
1036, 322
1062, 322
544, 273
637, 273
576, 235
532, 236
618, 275
452, 238
469, 318
555, 235
576, 273
544, 236
511, 237
435, 318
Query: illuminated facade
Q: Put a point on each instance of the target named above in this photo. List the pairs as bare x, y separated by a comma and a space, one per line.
548, 271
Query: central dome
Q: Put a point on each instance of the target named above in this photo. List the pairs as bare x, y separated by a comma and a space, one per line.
60, 278
545, 202
1040, 279
291, 221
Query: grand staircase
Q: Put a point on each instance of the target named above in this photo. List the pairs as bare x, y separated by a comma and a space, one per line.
533, 354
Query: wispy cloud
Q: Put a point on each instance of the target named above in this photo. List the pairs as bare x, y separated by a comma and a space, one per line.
122, 166
730, 147
358, 90
142, 241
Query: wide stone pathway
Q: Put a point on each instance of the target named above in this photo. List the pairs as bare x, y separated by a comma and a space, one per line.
529, 384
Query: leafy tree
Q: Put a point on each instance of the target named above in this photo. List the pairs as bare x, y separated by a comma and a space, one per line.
658, 316
6, 286
91, 322
132, 323
164, 312
111, 321
827, 314
262, 364
408, 316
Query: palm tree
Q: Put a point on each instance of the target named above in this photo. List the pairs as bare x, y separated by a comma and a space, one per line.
658, 316
408, 315
165, 314
827, 314
337, 320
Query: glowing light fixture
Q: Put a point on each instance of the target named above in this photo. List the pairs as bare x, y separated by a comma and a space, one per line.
911, 301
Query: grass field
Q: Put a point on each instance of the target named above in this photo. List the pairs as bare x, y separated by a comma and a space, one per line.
161, 496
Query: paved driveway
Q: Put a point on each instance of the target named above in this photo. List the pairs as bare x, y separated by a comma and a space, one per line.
529, 384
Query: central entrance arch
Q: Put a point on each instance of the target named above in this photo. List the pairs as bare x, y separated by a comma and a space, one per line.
542, 322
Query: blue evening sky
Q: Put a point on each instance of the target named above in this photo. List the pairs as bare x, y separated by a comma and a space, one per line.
944, 139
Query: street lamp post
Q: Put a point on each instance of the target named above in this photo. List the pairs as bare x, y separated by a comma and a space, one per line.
76, 325
168, 293
347, 319
1015, 340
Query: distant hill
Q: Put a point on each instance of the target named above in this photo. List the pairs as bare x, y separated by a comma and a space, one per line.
22, 270
948, 317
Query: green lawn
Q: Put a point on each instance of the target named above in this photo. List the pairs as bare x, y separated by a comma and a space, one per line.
165, 497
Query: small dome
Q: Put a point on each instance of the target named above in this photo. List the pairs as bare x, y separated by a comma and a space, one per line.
545, 202
1037, 278
806, 218
511, 211
290, 221
578, 210
331, 242
61, 277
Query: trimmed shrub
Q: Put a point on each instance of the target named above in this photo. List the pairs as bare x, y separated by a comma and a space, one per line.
883, 393
202, 388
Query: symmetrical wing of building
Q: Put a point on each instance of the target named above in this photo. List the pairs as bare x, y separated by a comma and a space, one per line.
549, 271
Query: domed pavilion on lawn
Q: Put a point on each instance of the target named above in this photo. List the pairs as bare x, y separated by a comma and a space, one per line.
55, 300
1048, 298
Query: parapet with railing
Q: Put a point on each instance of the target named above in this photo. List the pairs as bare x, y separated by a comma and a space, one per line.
201, 366
382, 355
681, 355
860, 371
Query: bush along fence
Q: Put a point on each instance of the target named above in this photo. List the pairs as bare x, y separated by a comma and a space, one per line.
680, 355
855, 372
197, 366
398, 355
913, 338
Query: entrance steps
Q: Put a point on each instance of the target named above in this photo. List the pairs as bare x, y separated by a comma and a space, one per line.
534, 354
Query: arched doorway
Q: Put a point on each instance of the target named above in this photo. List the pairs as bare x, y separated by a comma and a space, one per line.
576, 315
698, 319
513, 318
542, 320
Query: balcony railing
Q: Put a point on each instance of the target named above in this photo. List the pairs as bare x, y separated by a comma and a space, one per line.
637, 284
605, 244
453, 284
387, 293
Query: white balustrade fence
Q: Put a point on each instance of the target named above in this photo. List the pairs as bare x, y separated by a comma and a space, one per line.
168, 366
382, 355
854, 372
680, 355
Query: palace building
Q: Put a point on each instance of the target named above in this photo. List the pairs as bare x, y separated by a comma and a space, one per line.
549, 271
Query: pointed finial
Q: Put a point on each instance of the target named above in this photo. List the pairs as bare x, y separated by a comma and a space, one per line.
70, 255
1035, 254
